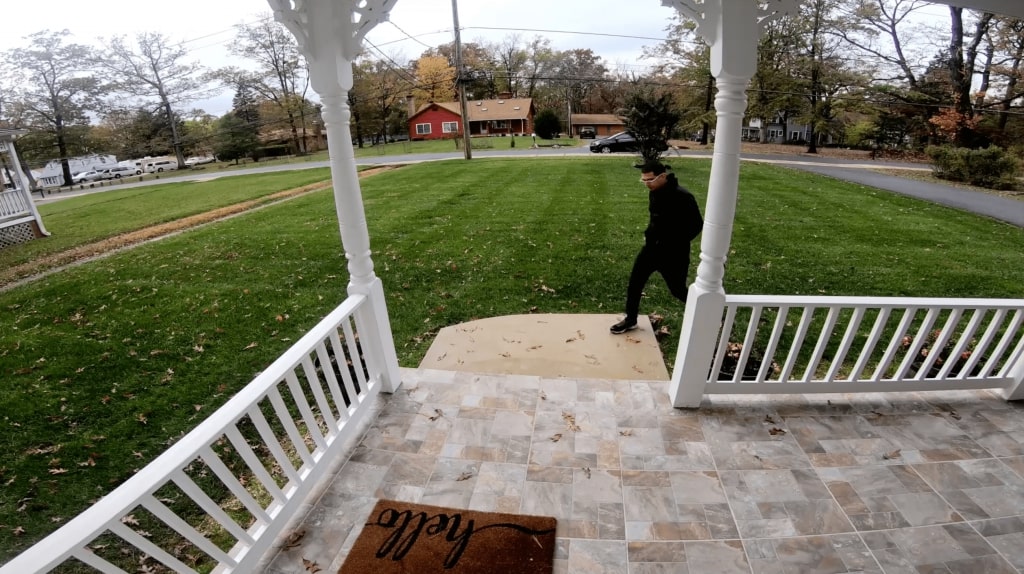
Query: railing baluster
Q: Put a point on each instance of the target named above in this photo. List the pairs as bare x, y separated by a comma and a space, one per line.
962, 344
723, 342
203, 500
254, 464
140, 542
847, 342
340, 404
773, 343
872, 342
1004, 343
92, 559
228, 479
168, 517
749, 339
917, 344
352, 394
299, 398
355, 355
1017, 355
285, 418
315, 385
273, 444
819, 348
798, 343
935, 352
986, 340
894, 343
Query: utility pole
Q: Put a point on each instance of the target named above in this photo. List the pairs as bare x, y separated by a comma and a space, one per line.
460, 81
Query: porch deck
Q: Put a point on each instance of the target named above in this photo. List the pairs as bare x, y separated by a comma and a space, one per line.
900, 482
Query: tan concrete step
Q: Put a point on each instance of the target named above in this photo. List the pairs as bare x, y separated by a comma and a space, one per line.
549, 345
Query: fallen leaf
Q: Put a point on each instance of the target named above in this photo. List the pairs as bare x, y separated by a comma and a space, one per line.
464, 476
586, 471
129, 519
310, 566
955, 415
294, 540
877, 413
252, 345
627, 432
570, 421
892, 455
543, 396
776, 431
570, 339
556, 437
655, 319
506, 355
580, 335
18, 531
57, 470
662, 332
769, 419
438, 413
534, 348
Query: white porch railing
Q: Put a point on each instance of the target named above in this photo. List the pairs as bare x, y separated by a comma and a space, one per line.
220, 496
793, 344
12, 204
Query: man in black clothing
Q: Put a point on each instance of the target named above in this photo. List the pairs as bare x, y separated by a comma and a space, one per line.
675, 221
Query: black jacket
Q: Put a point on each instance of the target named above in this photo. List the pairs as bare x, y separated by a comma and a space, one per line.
675, 216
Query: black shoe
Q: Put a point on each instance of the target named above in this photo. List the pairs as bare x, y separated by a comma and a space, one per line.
623, 326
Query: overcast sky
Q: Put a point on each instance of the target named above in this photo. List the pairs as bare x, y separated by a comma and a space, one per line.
616, 30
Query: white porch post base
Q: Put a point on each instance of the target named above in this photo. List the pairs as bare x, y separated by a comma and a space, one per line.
693, 358
378, 344
1015, 392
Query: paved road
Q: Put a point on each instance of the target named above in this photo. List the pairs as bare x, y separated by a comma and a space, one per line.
857, 171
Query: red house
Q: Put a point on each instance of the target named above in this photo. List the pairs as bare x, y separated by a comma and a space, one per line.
436, 120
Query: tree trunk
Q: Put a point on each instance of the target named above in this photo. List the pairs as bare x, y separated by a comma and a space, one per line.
62, 147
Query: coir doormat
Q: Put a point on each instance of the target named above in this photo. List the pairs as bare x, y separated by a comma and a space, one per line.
401, 537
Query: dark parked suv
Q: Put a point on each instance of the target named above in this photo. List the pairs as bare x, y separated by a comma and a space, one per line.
622, 141
587, 133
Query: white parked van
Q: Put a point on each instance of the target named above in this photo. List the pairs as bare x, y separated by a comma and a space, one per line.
161, 166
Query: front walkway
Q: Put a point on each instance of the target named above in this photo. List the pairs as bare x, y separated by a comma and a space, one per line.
903, 482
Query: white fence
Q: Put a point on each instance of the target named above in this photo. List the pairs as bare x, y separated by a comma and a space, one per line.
218, 498
793, 344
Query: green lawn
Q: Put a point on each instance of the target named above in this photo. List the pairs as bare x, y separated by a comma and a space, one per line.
106, 363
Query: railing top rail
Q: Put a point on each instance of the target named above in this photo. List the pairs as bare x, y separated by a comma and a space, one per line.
59, 545
873, 302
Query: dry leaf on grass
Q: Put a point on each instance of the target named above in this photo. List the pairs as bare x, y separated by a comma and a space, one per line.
891, 455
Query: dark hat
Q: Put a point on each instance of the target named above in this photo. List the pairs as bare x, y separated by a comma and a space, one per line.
652, 166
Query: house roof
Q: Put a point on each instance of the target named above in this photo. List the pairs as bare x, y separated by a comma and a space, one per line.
485, 110
597, 119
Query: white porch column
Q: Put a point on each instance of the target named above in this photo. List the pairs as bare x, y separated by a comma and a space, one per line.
732, 29
23, 185
329, 33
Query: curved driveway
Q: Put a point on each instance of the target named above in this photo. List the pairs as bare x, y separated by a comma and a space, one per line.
856, 171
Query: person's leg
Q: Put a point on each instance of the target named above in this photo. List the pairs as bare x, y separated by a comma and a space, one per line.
674, 271
643, 267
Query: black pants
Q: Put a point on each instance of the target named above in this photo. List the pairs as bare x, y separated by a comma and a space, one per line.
673, 264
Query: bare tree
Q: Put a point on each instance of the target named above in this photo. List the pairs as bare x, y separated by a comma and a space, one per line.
512, 60
56, 90
281, 77
154, 69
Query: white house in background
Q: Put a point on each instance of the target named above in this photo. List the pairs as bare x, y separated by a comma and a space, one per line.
52, 175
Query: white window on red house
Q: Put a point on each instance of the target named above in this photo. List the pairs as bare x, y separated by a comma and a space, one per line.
422, 129
450, 127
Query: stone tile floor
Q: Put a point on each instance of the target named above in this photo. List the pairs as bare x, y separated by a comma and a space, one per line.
896, 483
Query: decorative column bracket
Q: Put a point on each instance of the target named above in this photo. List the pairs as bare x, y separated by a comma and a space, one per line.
706, 13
